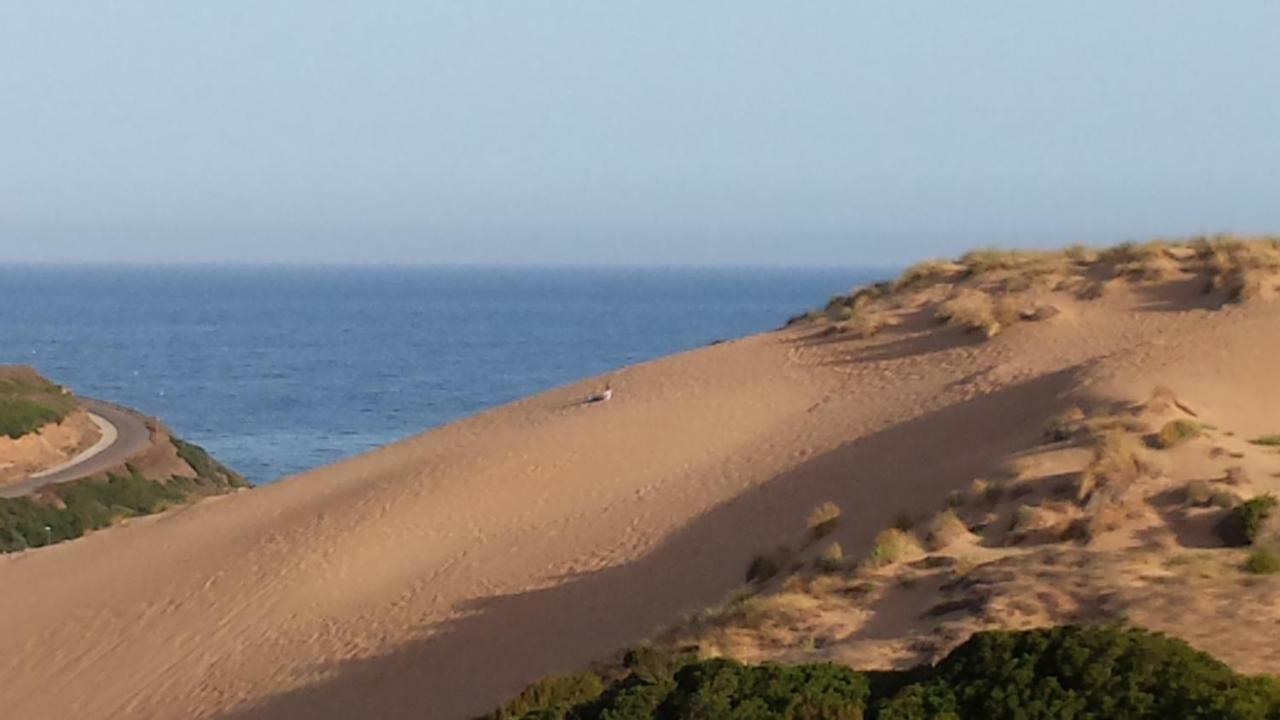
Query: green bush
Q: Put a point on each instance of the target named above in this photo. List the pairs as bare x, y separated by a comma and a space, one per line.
29, 402
1262, 561
1074, 672
69, 510
1052, 674
1176, 432
208, 470
551, 698
1244, 523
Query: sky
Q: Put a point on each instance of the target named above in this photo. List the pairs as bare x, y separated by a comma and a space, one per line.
728, 132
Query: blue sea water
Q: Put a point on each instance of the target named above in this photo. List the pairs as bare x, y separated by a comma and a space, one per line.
280, 369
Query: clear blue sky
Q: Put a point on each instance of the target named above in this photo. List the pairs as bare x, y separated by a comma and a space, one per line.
732, 132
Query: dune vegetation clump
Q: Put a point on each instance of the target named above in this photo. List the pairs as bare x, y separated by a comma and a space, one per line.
1176, 432
975, 311
893, 546
986, 291
1242, 270
1085, 672
1119, 460
829, 559
1262, 561
944, 529
824, 520
1244, 524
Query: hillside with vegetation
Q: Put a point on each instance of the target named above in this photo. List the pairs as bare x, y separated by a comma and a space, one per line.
29, 402
1155, 511
167, 473
1056, 674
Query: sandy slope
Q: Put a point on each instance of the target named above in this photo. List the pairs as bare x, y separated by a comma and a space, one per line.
435, 577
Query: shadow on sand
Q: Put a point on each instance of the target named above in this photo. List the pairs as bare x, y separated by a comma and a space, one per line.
467, 666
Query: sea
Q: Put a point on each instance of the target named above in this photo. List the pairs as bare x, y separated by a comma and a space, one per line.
280, 369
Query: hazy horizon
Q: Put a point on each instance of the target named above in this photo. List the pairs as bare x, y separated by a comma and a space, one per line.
741, 134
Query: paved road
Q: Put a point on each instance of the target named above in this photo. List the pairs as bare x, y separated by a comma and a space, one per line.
132, 436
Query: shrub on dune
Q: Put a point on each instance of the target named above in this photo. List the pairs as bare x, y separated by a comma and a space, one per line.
1244, 524
1262, 561
975, 311
1176, 432
893, 546
824, 520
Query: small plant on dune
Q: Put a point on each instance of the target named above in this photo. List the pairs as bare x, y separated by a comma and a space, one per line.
1118, 461
766, 566
1081, 254
1176, 432
989, 260
944, 529
824, 520
1267, 441
1224, 499
1152, 261
866, 323
1262, 561
1197, 493
830, 558
1065, 425
1243, 525
975, 311
990, 493
926, 273
1025, 519
891, 546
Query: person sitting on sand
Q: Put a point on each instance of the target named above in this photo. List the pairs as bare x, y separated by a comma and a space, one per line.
601, 396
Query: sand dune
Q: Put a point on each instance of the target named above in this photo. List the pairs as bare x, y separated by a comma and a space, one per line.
435, 577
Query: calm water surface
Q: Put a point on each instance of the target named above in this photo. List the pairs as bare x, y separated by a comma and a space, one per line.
280, 369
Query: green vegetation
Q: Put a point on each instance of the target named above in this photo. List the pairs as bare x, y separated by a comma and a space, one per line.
1244, 523
1067, 672
208, 470
1262, 561
69, 510
1267, 441
1176, 432
27, 402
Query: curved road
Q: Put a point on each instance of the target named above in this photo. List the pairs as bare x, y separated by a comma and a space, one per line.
132, 436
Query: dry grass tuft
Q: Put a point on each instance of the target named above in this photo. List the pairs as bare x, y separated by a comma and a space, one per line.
1119, 460
929, 272
976, 311
824, 520
1243, 270
944, 529
893, 546
864, 323
829, 559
